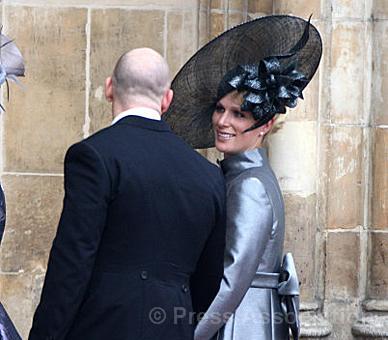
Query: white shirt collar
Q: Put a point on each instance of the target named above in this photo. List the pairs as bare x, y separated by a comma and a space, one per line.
144, 112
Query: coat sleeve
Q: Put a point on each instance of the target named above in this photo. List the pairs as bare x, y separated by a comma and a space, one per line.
249, 228
76, 243
205, 281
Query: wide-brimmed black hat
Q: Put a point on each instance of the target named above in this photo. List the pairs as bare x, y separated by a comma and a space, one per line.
248, 47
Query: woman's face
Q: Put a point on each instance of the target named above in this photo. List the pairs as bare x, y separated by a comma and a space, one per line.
229, 124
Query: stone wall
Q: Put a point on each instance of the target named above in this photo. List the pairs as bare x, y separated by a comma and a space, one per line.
331, 156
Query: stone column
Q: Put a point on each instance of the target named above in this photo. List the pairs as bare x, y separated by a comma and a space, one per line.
373, 321
347, 167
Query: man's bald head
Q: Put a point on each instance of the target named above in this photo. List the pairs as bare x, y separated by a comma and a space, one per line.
140, 76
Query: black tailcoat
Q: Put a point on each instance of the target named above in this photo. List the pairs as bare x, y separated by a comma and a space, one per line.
143, 214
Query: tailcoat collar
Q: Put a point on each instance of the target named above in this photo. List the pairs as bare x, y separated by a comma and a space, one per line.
144, 123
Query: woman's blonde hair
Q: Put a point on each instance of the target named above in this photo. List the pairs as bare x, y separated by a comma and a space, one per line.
279, 119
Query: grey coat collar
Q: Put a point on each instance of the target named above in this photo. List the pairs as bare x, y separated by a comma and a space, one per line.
235, 164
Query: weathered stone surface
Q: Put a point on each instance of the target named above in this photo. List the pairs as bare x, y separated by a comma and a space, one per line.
380, 180
348, 9
114, 32
347, 77
380, 9
313, 324
42, 121
371, 327
217, 24
298, 7
292, 153
16, 295
342, 316
108, 3
263, 6
181, 39
235, 19
237, 5
217, 4
380, 73
345, 201
342, 266
378, 280
300, 240
33, 209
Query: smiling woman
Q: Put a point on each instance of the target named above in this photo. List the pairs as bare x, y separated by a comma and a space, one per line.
230, 125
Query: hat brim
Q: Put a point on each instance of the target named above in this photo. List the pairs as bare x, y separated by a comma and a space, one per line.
195, 85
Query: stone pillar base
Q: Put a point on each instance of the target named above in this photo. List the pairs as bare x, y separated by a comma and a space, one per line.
373, 325
313, 324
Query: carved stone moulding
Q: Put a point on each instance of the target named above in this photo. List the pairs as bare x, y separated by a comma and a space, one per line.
374, 324
313, 323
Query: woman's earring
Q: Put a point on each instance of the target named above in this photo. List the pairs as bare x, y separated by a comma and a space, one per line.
261, 134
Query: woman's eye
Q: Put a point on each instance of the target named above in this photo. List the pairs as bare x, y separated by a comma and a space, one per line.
219, 109
238, 114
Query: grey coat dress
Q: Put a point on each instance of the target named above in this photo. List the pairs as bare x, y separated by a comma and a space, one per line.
253, 255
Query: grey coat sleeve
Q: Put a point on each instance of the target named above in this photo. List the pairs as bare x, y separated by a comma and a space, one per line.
249, 228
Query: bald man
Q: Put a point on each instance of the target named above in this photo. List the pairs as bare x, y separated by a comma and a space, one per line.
143, 223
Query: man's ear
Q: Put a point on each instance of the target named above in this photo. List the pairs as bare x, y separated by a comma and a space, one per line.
108, 89
166, 100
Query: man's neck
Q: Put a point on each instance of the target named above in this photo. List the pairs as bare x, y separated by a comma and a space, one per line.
117, 109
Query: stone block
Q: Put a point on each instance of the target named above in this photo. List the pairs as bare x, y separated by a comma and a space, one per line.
300, 240
235, 19
33, 208
237, 5
344, 192
380, 73
114, 32
378, 262
45, 118
347, 72
380, 9
181, 39
348, 9
217, 24
260, 6
204, 5
379, 200
342, 265
16, 295
298, 7
292, 153
217, 4
151, 4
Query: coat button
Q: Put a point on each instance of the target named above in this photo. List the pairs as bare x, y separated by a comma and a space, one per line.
144, 275
185, 289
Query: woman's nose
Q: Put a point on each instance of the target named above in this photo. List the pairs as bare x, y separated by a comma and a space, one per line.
224, 119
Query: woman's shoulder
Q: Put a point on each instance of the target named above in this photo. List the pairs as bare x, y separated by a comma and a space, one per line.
256, 177
258, 183
248, 182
